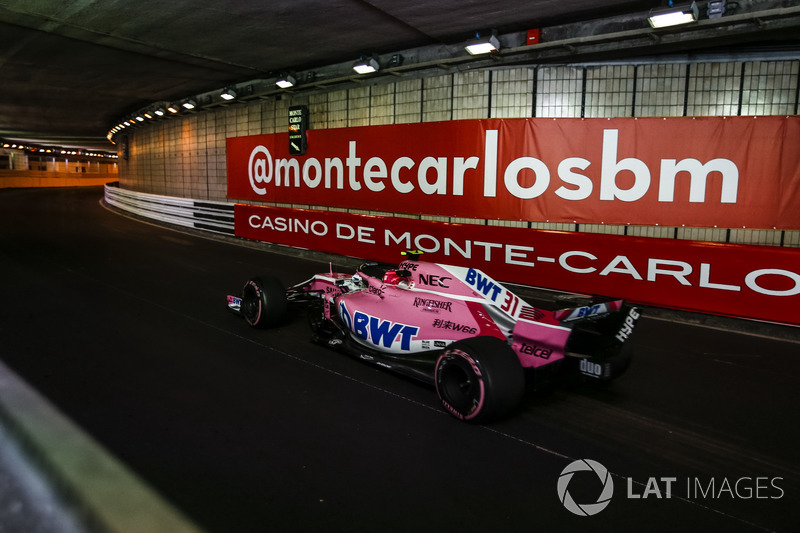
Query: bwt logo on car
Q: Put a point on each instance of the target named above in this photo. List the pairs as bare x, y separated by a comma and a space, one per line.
378, 331
446, 175
482, 284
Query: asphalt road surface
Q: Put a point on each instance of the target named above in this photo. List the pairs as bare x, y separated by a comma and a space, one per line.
123, 325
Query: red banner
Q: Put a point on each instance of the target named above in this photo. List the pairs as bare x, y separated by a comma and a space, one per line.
698, 172
754, 282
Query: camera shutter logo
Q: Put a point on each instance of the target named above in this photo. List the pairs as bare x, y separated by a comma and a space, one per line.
586, 509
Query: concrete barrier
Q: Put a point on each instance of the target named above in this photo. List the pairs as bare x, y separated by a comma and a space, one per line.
35, 178
107, 496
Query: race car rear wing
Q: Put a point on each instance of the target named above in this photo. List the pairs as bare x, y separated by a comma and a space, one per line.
586, 311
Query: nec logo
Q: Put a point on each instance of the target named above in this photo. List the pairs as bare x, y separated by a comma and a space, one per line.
434, 280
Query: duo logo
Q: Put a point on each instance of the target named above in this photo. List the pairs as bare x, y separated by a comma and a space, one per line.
377, 331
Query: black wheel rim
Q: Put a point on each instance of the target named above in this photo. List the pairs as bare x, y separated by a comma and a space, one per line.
250, 304
457, 387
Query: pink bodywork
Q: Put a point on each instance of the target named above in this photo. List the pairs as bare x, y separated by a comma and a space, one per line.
429, 306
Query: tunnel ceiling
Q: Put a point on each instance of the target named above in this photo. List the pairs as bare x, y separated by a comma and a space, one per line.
70, 69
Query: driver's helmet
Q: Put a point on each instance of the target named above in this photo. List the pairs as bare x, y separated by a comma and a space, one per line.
393, 278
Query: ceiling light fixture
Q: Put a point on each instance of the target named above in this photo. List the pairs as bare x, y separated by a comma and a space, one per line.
173, 108
366, 65
483, 45
673, 15
159, 111
189, 104
228, 94
286, 81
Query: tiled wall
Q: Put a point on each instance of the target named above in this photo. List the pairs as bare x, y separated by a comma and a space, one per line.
660, 90
185, 156
559, 92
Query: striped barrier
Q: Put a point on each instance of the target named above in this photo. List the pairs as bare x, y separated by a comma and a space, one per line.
198, 214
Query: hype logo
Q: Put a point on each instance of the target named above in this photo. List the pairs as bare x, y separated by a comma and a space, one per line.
259, 169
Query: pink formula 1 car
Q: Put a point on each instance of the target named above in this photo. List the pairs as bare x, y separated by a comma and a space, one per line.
453, 327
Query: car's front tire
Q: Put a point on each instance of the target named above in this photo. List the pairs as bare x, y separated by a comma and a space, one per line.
479, 379
263, 302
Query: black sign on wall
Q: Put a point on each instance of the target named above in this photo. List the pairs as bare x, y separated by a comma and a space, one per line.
298, 124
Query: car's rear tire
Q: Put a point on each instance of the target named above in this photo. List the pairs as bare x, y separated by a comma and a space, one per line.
263, 302
479, 379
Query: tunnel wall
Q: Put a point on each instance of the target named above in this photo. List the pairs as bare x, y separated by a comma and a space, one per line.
185, 156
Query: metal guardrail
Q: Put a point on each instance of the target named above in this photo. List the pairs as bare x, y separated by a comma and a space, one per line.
197, 214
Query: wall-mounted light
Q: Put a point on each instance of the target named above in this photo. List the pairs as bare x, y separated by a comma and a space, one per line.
673, 15
716, 9
228, 94
286, 81
189, 104
395, 61
366, 65
483, 45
